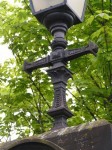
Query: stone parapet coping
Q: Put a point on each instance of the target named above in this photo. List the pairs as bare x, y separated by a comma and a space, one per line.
79, 128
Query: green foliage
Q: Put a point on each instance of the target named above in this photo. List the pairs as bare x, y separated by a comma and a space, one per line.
24, 99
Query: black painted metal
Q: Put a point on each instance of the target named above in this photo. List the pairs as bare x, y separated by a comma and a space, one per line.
57, 60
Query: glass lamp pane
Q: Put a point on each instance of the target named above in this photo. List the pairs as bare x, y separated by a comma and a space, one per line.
43, 4
77, 6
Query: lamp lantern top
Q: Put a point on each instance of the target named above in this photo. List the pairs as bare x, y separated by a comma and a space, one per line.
40, 8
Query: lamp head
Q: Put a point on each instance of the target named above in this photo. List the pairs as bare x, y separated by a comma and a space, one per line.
76, 8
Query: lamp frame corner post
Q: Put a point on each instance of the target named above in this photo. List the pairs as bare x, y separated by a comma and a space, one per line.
57, 20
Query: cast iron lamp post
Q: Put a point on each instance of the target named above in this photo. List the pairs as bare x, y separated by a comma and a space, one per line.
58, 16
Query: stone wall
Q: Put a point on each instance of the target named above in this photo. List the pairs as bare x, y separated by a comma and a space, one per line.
91, 136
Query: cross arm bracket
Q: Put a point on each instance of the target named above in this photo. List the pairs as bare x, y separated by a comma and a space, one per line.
91, 48
60, 55
29, 67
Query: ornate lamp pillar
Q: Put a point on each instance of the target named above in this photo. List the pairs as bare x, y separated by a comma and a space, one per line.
58, 16
58, 72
